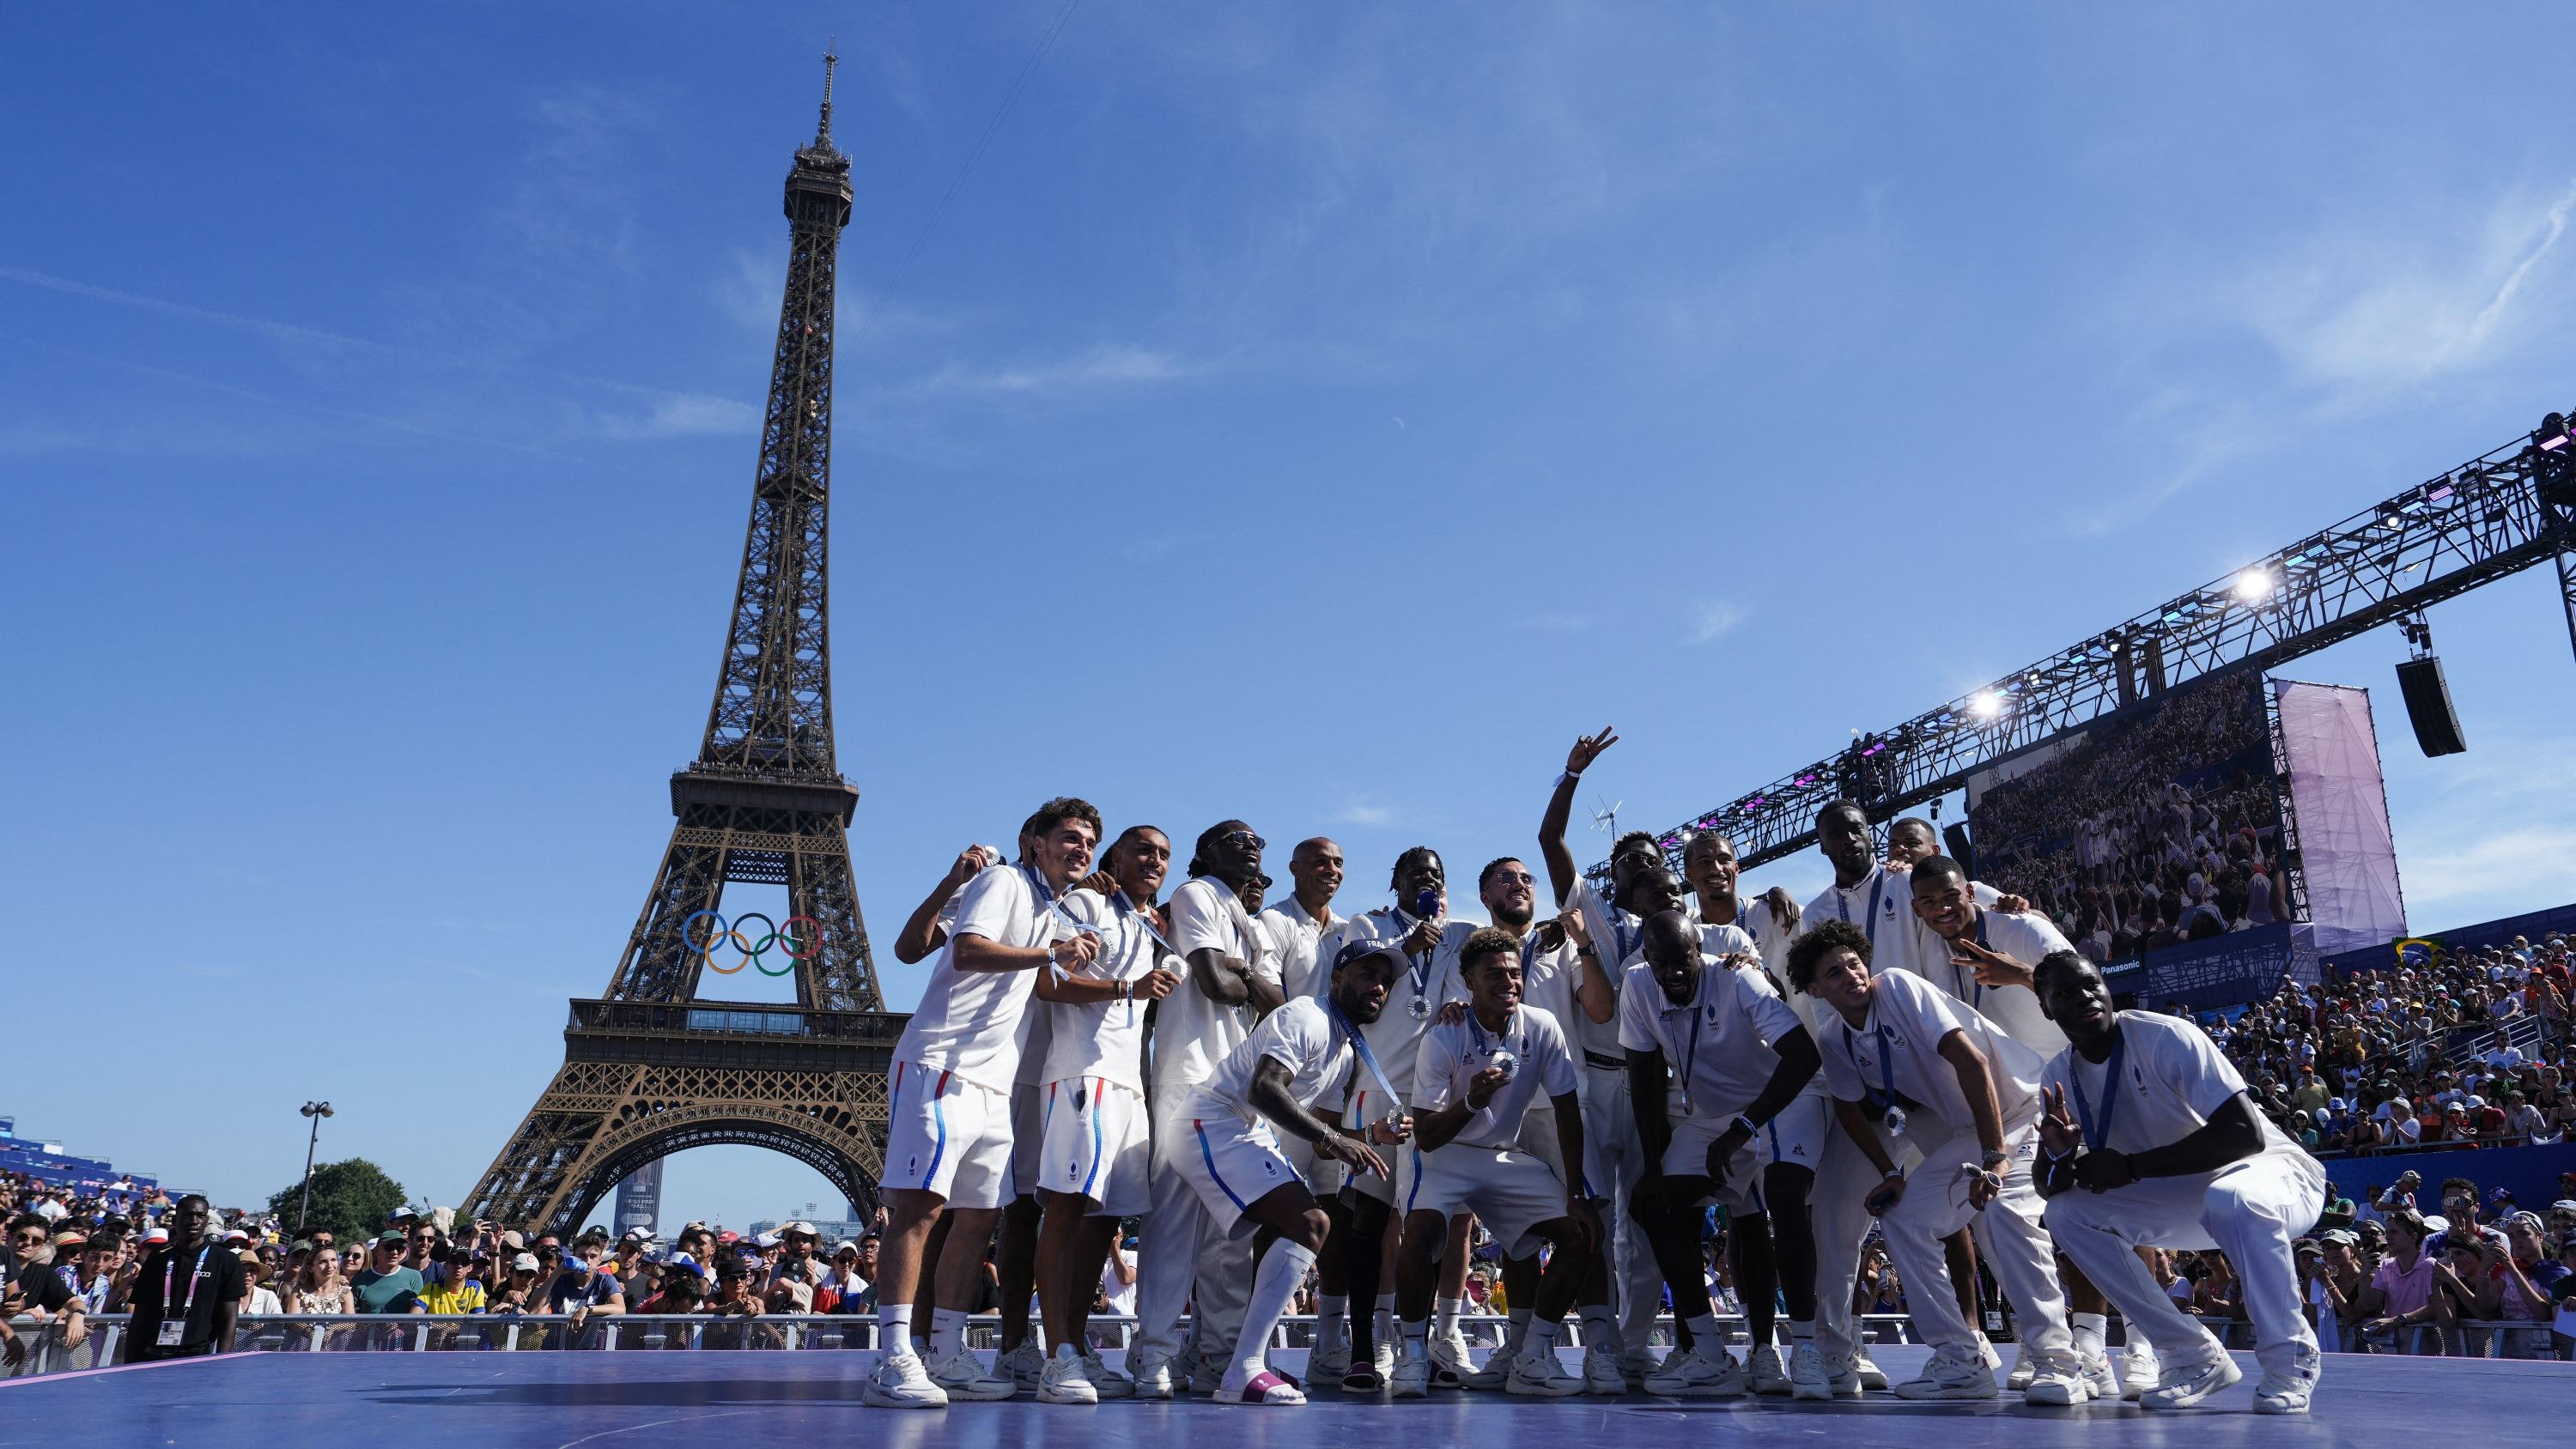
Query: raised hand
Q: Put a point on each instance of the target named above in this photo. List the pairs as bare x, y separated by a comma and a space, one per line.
1588, 748
1993, 967
2057, 1130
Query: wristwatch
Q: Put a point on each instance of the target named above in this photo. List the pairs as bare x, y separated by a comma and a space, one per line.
1995, 1158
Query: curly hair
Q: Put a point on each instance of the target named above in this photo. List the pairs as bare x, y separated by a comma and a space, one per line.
1487, 941
1824, 936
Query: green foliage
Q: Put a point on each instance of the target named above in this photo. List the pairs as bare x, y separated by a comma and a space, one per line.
349, 1198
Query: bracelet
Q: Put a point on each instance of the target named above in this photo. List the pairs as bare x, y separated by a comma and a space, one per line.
1567, 777
1893, 1174
1994, 1157
1751, 1127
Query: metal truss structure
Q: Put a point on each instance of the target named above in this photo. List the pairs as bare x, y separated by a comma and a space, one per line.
650, 1069
2498, 514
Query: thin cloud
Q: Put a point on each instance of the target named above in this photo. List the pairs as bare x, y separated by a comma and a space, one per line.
1359, 813
1713, 621
1102, 367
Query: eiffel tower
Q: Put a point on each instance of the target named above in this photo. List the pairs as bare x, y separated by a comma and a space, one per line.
649, 1069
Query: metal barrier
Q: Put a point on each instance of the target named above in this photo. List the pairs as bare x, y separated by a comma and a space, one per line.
534, 1332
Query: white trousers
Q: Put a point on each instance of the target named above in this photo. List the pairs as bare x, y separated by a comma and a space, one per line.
2249, 1210
1841, 1223
1614, 1161
2010, 1240
1180, 1246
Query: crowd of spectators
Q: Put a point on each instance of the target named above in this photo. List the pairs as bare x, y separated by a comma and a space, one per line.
2459, 1048
2146, 833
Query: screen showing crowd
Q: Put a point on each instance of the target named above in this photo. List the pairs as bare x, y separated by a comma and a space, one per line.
2147, 831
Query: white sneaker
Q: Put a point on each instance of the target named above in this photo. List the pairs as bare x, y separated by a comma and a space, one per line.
1061, 1381
2288, 1391
2024, 1368
1543, 1375
1106, 1381
2137, 1366
1639, 1365
2185, 1384
1843, 1375
1706, 1372
1411, 1379
963, 1375
1496, 1372
1024, 1365
900, 1382
1808, 1376
1769, 1375
1871, 1375
1328, 1363
1207, 1375
1953, 1372
2099, 1380
1601, 1372
1153, 1376
1450, 1364
2054, 1389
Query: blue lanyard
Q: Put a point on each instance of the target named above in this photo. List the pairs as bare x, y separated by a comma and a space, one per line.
1368, 1058
1698, 1014
1869, 923
1037, 883
1416, 970
1619, 936
1501, 1038
2097, 1135
1886, 1097
1971, 990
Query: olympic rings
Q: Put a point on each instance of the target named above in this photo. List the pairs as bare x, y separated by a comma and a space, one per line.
786, 939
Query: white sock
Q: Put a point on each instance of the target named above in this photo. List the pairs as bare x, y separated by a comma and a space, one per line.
1445, 1311
1542, 1335
1416, 1332
1801, 1333
894, 1327
1706, 1341
2090, 1330
1332, 1320
947, 1331
1520, 1321
1274, 1287
1386, 1318
1600, 1326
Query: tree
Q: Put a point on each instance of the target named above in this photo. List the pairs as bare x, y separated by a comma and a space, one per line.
350, 1199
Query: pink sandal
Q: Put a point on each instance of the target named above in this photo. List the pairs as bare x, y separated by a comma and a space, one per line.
1265, 1388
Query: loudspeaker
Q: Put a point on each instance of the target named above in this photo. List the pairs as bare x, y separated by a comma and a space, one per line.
1955, 837
2428, 707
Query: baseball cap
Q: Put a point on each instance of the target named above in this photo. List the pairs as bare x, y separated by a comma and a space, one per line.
766, 1240
798, 1227
846, 1245
2345, 1236
525, 1263
514, 1239
391, 1240
1361, 950
157, 1235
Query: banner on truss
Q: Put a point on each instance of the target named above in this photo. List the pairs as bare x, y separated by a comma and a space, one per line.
2346, 848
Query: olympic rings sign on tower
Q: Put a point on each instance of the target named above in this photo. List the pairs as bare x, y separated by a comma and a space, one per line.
786, 938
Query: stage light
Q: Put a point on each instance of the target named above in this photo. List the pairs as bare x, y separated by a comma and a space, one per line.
1987, 705
2253, 586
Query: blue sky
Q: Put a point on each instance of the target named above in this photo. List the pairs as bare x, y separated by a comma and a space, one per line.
1316, 414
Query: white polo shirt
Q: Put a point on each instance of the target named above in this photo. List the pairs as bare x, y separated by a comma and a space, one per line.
973, 1023
1396, 1036
1717, 1045
1881, 903
1105, 1039
1452, 1055
2025, 938
1295, 935
1192, 1033
1300, 1036
2173, 1079
1899, 1045
1616, 935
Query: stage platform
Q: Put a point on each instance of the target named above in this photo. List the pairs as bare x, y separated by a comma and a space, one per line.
806, 1399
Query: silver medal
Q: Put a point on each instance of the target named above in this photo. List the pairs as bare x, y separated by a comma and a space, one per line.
1894, 1121
1421, 1008
1505, 1063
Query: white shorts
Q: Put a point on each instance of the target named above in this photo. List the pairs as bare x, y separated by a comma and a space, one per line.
1028, 1138
1402, 1162
1739, 1187
1797, 1135
1095, 1143
1230, 1163
947, 1135
1510, 1192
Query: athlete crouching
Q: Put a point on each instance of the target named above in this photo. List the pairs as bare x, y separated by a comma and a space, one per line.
1476, 1083
1297, 1055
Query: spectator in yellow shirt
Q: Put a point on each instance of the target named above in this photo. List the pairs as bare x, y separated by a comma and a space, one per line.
457, 1290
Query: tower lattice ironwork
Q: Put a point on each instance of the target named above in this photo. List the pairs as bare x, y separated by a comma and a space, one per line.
649, 1069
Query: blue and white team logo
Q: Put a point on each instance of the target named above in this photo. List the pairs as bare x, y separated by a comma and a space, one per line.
1270, 1167
912, 1165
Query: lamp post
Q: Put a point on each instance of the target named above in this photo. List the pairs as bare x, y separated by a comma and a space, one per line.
315, 1111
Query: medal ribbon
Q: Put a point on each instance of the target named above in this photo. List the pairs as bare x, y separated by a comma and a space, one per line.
2097, 1135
